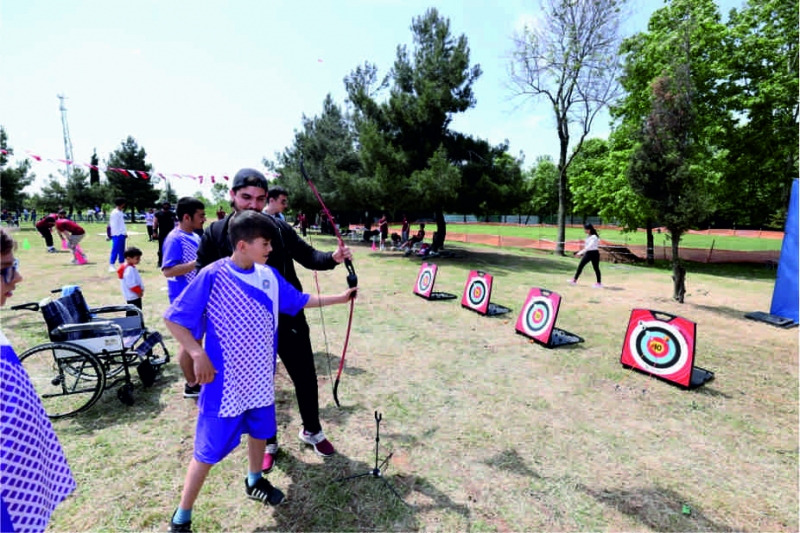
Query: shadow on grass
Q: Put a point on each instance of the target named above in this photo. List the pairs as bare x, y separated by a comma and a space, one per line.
724, 270
320, 499
722, 310
497, 263
109, 411
658, 508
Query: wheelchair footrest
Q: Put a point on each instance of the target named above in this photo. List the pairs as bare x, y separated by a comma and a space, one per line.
145, 348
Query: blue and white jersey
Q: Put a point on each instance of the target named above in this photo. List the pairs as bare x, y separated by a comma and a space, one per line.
179, 247
237, 310
34, 472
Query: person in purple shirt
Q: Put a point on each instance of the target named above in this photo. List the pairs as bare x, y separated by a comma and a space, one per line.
34, 472
236, 365
178, 262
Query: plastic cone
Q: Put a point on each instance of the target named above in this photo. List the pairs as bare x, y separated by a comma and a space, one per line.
64, 245
26, 245
80, 258
373, 246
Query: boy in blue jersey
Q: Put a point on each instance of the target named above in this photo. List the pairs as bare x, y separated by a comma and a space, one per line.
236, 369
179, 265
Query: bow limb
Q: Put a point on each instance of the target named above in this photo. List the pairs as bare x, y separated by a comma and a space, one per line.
352, 280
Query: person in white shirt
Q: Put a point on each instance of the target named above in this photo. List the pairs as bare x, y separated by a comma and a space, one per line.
590, 253
118, 233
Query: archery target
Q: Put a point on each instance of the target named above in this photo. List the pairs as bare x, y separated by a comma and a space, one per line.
660, 344
477, 291
538, 315
425, 279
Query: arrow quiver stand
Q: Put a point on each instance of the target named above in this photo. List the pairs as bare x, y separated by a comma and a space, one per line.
376, 472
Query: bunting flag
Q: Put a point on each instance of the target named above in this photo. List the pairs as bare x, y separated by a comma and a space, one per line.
138, 174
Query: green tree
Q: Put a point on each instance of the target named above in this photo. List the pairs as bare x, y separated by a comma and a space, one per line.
327, 144
54, 196
543, 187
137, 189
599, 185
569, 58
12, 179
664, 169
405, 142
760, 88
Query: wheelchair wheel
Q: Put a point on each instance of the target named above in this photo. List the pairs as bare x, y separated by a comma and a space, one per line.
67, 378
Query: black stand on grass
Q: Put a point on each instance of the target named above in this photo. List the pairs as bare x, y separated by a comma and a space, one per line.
376, 472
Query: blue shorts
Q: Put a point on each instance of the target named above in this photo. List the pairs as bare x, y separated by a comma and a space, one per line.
216, 437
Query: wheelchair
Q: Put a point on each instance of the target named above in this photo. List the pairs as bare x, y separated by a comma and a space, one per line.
90, 350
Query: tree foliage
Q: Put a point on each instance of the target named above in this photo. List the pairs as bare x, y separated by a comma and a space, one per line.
138, 192
12, 179
569, 59
406, 145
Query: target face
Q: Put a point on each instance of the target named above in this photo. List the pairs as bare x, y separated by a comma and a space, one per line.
425, 279
477, 291
538, 315
662, 347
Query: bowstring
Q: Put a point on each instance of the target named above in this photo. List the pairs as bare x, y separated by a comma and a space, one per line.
322, 320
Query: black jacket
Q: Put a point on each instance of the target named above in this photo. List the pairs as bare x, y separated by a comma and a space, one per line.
287, 247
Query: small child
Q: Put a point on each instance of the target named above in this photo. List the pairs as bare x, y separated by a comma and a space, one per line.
130, 280
224, 303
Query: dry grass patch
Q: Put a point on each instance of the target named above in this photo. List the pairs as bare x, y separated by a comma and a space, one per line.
489, 432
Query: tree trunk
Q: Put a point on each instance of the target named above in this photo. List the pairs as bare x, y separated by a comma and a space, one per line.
651, 259
437, 243
562, 202
678, 272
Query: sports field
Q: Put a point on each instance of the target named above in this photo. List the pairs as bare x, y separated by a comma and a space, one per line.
488, 431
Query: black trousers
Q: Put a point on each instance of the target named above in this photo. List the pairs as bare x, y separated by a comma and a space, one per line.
161, 239
48, 236
294, 349
594, 257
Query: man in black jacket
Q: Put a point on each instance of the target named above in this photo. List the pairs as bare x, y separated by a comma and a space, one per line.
249, 191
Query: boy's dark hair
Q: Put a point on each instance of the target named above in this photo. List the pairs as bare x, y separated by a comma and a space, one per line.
6, 242
132, 251
249, 225
119, 200
422, 226
276, 192
188, 205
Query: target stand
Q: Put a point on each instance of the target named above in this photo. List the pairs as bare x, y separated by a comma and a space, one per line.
537, 320
478, 292
424, 285
663, 345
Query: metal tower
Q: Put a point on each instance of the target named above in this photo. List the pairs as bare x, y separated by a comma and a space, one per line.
67, 140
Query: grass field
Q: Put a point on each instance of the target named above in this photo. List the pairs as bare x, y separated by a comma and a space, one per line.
488, 431
620, 237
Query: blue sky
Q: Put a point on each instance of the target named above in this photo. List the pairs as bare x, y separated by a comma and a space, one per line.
208, 87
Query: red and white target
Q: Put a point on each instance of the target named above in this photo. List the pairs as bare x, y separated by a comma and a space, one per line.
477, 291
425, 279
660, 344
538, 315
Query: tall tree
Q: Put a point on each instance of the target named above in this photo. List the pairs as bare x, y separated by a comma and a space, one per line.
12, 179
760, 88
663, 166
569, 58
137, 189
405, 142
327, 144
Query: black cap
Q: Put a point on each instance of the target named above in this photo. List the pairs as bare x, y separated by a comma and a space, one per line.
249, 177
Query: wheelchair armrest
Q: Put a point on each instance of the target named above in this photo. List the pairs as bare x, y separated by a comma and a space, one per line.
114, 309
91, 326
